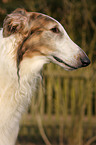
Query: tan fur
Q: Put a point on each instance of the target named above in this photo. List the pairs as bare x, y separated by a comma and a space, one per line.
28, 40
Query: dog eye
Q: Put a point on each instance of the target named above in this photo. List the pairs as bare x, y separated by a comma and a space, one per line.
55, 30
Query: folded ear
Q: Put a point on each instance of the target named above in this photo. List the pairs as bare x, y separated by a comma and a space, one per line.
16, 22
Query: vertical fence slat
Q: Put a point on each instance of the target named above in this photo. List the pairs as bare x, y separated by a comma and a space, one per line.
89, 99
57, 97
66, 97
73, 97
49, 95
81, 106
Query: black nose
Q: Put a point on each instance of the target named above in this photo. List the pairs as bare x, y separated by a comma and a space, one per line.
85, 61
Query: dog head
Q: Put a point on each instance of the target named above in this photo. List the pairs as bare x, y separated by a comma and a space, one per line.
43, 40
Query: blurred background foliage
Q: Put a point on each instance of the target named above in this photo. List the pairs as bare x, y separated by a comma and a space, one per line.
64, 113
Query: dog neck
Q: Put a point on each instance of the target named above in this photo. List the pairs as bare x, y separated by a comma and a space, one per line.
15, 96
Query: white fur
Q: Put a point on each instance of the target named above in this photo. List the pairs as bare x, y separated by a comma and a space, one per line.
14, 97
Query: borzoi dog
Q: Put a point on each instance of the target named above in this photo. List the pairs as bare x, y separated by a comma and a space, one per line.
28, 40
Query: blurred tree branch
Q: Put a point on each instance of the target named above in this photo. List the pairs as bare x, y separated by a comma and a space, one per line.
91, 140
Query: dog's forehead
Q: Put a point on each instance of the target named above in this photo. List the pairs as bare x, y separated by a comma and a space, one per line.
44, 20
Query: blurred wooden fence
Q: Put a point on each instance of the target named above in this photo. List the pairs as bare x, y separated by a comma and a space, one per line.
68, 100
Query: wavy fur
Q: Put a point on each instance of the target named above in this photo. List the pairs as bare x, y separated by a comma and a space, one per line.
28, 40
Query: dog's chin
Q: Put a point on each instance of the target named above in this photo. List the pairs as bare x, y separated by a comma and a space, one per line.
67, 68
63, 64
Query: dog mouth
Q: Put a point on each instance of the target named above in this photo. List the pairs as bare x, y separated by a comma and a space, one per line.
63, 62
